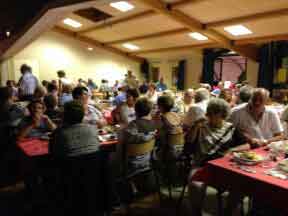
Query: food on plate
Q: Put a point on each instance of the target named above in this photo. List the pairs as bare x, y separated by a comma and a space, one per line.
249, 155
283, 165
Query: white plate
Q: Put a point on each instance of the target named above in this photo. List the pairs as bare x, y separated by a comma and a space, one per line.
237, 158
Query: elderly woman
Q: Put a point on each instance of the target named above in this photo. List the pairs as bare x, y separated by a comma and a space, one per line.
36, 124
208, 140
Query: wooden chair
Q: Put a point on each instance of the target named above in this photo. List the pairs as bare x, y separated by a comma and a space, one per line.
177, 141
134, 150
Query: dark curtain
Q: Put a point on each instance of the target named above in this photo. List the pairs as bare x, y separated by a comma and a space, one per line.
144, 68
181, 75
268, 65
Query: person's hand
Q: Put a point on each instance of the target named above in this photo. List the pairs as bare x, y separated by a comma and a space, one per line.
258, 142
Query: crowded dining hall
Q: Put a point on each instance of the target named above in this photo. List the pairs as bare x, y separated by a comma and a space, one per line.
144, 107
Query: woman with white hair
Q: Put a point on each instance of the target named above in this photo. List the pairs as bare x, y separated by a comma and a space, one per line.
210, 139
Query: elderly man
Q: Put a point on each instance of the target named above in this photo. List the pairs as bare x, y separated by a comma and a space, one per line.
198, 110
188, 100
259, 124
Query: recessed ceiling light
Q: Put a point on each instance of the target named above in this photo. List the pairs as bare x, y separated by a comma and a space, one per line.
238, 30
122, 6
130, 46
90, 48
198, 36
72, 23
8, 33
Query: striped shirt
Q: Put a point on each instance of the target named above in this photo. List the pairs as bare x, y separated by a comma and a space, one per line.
28, 84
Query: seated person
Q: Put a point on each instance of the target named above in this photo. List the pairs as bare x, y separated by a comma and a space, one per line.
127, 110
208, 140
52, 110
39, 93
139, 132
170, 127
36, 124
84, 178
74, 138
92, 115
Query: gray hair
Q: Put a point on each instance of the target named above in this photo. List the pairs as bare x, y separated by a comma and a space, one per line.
245, 93
264, 93
218, 106
201, 94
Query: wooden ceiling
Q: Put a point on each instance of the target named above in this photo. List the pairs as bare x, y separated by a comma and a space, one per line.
160, 27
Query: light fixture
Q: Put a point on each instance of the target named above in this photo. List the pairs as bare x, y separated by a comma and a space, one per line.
90, 49
238, 30
8, 33
130, 46
72, 23
198, 36
122, 6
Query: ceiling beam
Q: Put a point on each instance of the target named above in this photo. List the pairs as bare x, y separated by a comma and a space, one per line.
150, 36
136, 16
262, 39
179, 48
194, 25
248, 18
98, 44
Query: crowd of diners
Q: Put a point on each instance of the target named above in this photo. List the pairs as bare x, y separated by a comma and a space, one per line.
203, 124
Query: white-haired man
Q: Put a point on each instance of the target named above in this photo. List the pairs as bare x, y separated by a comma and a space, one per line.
259, 124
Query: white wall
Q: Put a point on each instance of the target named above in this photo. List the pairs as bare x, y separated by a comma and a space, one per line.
54, 51
252, 72
193, 68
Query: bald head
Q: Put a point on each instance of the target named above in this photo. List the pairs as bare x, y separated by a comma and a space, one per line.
188, 96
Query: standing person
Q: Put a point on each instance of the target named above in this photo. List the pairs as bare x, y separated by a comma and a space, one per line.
27, 83
91, 85
143, 88
62, 80
130, 80
161, 86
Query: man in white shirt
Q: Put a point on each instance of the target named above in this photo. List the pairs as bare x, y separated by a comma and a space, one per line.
259, 124
27, 83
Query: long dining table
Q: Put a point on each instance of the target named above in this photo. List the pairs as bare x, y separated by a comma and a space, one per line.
253, 181
36, 147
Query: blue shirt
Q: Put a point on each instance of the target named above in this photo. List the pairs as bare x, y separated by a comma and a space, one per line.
65, 98
161, 87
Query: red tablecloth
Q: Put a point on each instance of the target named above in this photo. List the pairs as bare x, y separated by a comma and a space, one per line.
38, 147
220, 173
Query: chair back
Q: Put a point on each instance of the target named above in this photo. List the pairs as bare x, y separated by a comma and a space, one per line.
176, 139
141, 148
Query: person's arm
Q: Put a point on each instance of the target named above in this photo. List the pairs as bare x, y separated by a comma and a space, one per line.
50, 124
23, 132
